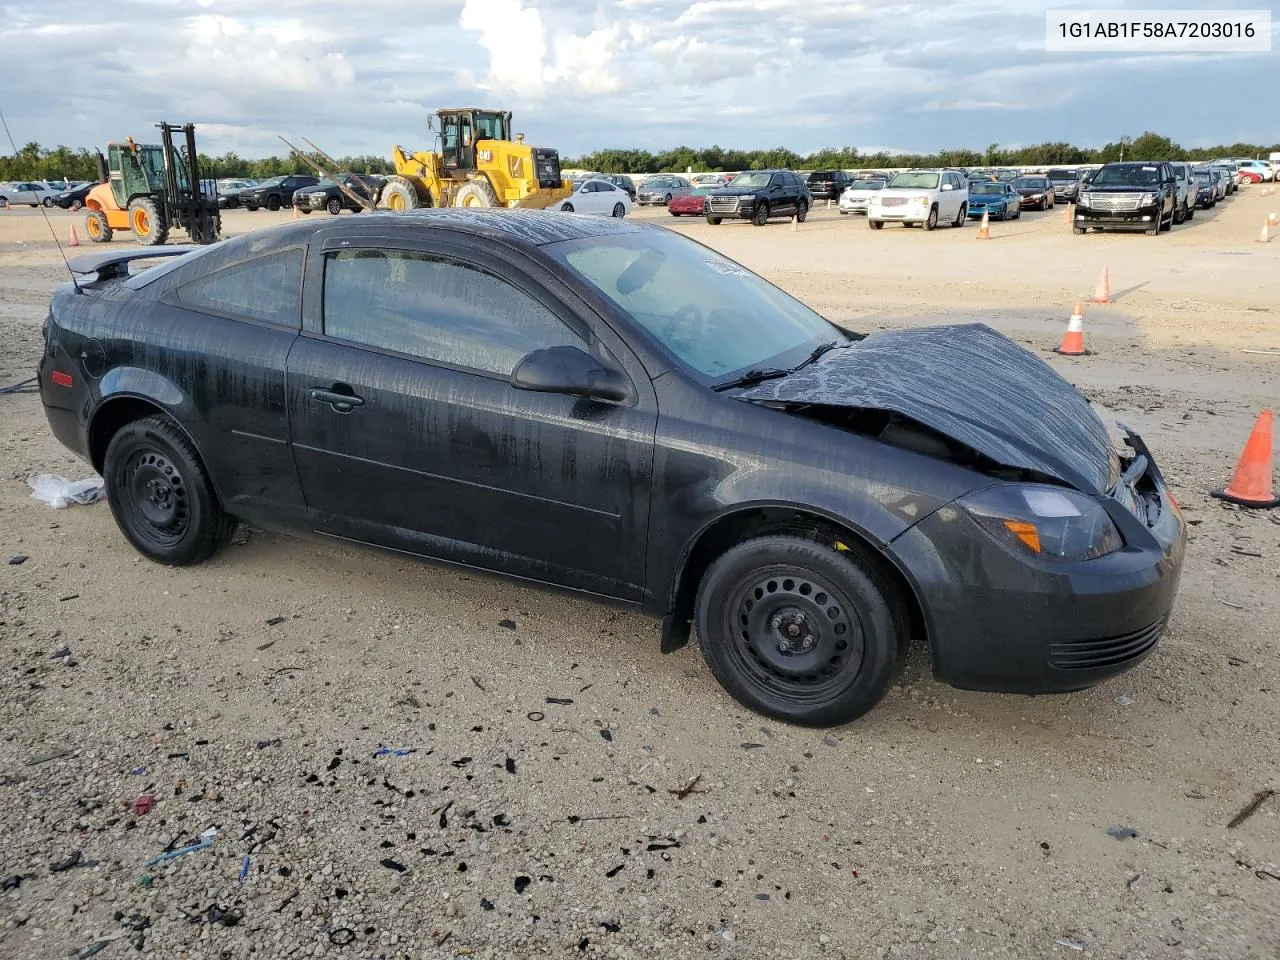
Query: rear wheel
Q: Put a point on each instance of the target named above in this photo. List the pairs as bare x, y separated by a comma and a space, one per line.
96, 227
799, 630
146, 223
875, 224
962, 216
160, 494
761, 215
619, 211
273, 203
932, 220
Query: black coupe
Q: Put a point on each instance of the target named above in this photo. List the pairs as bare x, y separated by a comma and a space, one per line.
610, 407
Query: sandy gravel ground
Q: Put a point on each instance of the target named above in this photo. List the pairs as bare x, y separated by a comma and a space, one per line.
537, 815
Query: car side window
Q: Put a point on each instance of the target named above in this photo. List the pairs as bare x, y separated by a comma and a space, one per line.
435, 309
265, 288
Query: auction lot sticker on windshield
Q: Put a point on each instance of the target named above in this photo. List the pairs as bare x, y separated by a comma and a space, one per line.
1158, 31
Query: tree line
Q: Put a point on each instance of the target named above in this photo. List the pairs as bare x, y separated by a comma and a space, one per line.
34, 162
1148, 146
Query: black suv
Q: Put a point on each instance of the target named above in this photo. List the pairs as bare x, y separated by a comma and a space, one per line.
827, 184
325, 195
1130, 194
276, 192
757, 195
622, 183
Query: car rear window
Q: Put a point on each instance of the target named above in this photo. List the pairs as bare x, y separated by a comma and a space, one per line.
266, 288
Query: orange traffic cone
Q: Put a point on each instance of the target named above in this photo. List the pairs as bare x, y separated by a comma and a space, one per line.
1271, 219
296, 214
1251, 485
73, 240
1069, 213
1264, 235
1102, 292
794, 224
1073, 340
984, 231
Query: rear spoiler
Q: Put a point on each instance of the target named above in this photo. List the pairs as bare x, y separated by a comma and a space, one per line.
106, 266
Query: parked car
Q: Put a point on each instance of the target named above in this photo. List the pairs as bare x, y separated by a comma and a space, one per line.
858, 195
1255, 171
1229, 174
610, 407
692, 204
1131, 194
1219, 179
926, 197
1206, 189
660, 189
72, 199
998, 199
708, 179
326, 195
1037, 192
276, 192
827, 184
600, 197
230, 192
758, 195
25, 193
1186, 208
1065, 181
621, 182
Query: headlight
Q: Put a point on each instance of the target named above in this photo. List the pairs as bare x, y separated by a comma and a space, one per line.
924, 200
1050, 522
1086, 199
1148, 198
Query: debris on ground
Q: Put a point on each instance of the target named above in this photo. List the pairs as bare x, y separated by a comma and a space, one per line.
59, 492
1250, 808
1121, 833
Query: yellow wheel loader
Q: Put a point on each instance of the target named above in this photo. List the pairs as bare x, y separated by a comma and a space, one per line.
477, 165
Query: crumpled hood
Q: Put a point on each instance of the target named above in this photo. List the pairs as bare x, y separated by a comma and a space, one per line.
970, 383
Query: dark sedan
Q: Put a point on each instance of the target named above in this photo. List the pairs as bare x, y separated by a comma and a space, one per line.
276, 192
327, 195
72, 199
1035, 192
612, 408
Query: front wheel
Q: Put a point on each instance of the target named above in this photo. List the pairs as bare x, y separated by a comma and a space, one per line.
800, 630
761, 215
47, 201
77, 204
334, 206
714, 221
667, 200
273, 204
160, 494
802, 211
932, 220
146, 222
1078, 231
251, 207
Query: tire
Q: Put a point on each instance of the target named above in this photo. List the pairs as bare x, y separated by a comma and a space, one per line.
47, 201
96, 227
875, 224
1191, 214
802, 211
566, 208
273, 204
761, 215
76, 205
666, 201
145, 222
305, 211
251, 207
1166, 226
1179, 214
1078, 231
932, 220
160, 495
619, 211
962, 216
476, 193
4, 203
334, 206
399, 194
855, 652
1153, 231
714, 221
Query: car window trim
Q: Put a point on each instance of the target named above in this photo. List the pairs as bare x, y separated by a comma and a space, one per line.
436, 249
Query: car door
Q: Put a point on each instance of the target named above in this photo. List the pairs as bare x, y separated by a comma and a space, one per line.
407, 432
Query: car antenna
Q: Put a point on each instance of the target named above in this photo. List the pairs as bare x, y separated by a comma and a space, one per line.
75, 283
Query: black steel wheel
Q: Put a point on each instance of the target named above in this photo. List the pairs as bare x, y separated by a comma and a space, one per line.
799, 630
160, 494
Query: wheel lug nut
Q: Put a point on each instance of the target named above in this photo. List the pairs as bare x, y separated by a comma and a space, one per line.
784, 648
776, 622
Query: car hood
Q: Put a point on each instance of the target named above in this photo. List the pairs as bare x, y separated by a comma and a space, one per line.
1124, 188
986, 198
1032, 191
910, 193
967, 382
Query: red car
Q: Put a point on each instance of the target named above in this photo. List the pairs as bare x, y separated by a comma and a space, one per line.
692, 204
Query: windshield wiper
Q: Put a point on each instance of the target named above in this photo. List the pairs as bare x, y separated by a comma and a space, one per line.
818, 351
752, 377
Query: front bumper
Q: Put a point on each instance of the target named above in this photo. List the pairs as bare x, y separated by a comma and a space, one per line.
1141, 218
739, 209
1033, 201
911, 212
1010, 622
991, 210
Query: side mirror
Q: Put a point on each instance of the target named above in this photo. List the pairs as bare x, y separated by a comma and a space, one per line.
570, 371
947, 186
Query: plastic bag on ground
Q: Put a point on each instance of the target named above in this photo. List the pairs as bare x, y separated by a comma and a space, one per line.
60, 492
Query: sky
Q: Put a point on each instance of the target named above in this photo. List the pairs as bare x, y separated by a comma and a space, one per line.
581, 75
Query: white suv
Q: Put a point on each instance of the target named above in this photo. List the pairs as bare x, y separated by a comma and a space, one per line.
926, 197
